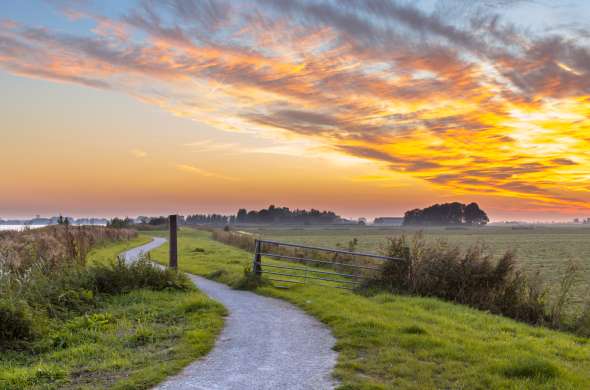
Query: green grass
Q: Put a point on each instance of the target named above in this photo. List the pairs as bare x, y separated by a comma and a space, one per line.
110, 252
398, 342
133, 341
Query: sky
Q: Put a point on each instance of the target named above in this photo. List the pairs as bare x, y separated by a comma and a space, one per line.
367, 107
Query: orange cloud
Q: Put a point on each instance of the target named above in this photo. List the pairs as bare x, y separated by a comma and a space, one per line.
489, 110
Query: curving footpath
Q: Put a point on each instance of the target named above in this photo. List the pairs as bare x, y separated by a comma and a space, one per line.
266, 344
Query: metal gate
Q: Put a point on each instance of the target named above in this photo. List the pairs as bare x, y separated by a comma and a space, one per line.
323, 266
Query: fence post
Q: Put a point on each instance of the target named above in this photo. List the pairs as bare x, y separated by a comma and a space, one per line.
173, 242
257, 265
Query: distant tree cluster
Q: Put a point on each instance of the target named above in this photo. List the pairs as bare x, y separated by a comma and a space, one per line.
152, 221
156, 221
446, 214
120, 223
209, 219
283, 215
61, 220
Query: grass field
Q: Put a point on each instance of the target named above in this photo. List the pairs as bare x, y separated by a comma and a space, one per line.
395, 342
132, 341
546, 249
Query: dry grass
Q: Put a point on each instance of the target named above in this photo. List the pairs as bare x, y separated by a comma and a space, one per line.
472, 277
43, 276
53, 245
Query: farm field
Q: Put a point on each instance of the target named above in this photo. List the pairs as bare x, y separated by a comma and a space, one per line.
546, 249
389, 341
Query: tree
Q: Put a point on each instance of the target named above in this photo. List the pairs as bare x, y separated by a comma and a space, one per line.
156, 221
143, 219
207, 219
242, 215
446, 214
119, 223
61, 220
474, 215
454, 213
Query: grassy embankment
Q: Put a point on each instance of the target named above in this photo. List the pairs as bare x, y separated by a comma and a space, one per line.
129, 341
399, 342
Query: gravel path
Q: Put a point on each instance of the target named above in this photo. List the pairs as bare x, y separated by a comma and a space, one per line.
133, 254
266, 344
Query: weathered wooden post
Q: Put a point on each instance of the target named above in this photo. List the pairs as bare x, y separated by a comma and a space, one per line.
257, 266
173, 242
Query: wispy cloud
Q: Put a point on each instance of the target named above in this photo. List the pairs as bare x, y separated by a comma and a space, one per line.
202, 172
211, 146
458, 97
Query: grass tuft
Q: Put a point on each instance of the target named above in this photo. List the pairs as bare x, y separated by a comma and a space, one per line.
531, 368
413, 329
250, 281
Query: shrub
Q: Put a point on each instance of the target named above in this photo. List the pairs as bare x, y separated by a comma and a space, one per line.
563, 295
60, 294
250, 281
470, 277
582, 325
16, 321
120, 277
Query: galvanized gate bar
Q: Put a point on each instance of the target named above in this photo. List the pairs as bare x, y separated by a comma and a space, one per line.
316, 284
288, 281
328, 285
311, 277
312, 270
317, 261
331, 250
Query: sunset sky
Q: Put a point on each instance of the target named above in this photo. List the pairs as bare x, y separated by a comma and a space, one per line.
367, 107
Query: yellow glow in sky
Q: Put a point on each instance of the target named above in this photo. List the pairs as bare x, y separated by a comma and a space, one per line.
151, 110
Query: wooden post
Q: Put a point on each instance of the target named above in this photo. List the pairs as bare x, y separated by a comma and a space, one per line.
257, 266
173, 242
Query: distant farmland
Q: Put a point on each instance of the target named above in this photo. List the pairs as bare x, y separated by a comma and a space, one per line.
546, 249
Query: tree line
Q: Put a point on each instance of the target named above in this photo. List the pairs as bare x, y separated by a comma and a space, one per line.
272, 214
437, 215
209, 219
446, 214
284, 215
